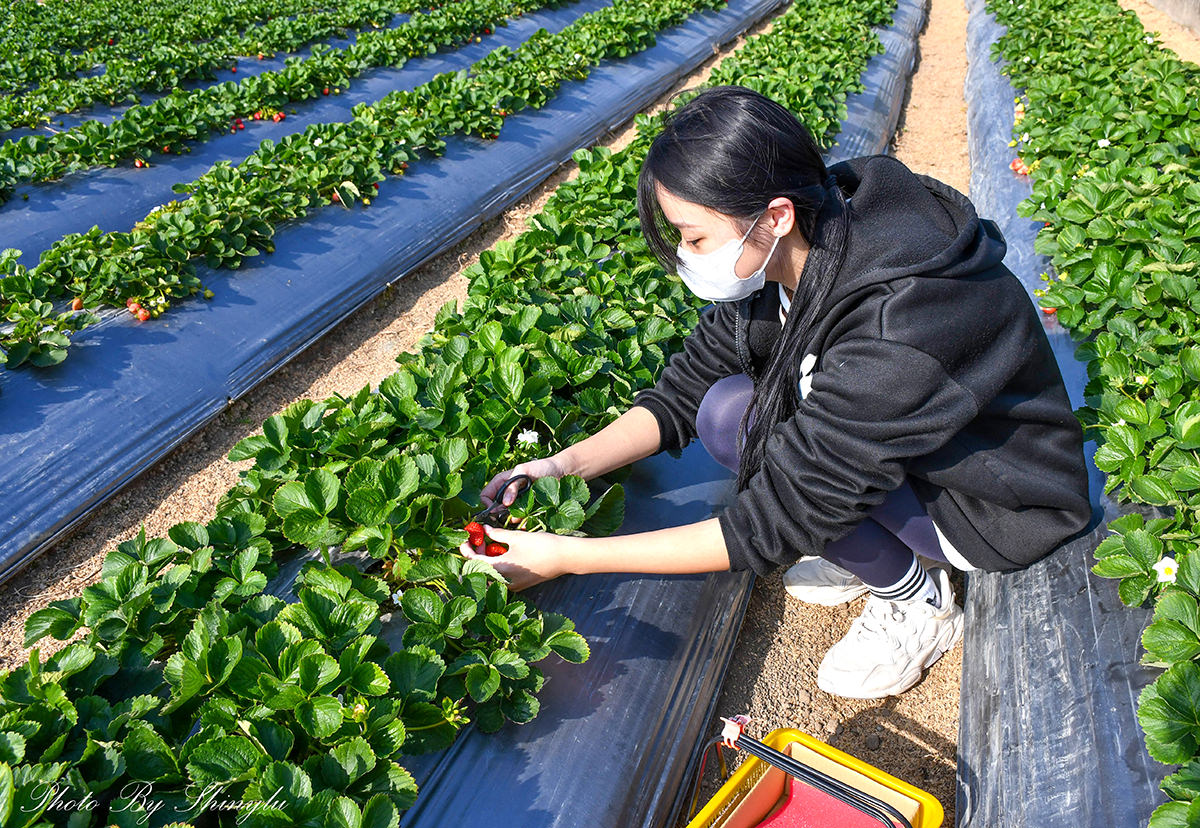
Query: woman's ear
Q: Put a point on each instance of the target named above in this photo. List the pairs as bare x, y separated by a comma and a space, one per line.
781, 216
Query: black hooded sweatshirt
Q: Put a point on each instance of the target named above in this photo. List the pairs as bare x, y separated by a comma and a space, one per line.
931, 366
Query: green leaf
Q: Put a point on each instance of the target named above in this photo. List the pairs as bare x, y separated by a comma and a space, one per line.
414, 673
355, 758
368, 506
320, 716
1153, 489
379, 812
571, 646
54, 620
483, 680
1169, 713
1174, 634
322, 489
12, 748
1171, 815
1143, 547
223, 759
606, 514
509, 380
1119, 566
1135, 590
291, 497
316, 671
422, 605
147, 755
509, 664
343, 813
497, 625
369, 679
1184, 478
307, 528
521, 707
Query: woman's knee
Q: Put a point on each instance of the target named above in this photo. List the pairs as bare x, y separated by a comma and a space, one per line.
720, 416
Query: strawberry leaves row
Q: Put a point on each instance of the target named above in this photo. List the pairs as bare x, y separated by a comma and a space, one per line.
169, 124
1107, 127
233, 211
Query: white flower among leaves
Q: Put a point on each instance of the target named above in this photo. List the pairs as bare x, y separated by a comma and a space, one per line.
1103, 142
528, 436
360, 709
1166, 569
396, 595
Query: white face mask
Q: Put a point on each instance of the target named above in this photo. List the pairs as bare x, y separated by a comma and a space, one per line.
712, 275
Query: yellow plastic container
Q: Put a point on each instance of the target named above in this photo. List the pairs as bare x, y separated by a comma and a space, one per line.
757, 789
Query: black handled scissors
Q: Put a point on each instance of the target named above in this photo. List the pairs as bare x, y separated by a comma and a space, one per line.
498, 508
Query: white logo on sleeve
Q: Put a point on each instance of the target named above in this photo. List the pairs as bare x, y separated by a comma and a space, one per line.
806, 366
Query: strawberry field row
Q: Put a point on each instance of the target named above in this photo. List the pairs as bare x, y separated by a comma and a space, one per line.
164, 65
1108, 129
168, 124
233, 211
189, 674
42, 41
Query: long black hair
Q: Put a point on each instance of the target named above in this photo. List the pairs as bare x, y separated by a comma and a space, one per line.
733, 150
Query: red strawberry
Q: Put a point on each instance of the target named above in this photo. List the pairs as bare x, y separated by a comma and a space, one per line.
166, 149
494, 549
260, 55
143, 314
129, 303
376, 185
1049, 311
281, 116
110, 41
135, 308
487, 31
335, 196
474, 528
232, 68
137, 162
325, 91
77, 304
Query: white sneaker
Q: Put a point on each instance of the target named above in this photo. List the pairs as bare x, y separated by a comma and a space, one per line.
890, 644
815, 580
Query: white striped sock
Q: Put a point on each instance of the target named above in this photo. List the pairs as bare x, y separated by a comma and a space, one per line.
916, 585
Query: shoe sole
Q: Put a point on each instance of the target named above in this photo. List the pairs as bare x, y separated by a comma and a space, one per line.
946, 642
826, 596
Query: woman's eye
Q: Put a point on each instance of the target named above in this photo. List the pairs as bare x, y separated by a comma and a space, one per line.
693, 242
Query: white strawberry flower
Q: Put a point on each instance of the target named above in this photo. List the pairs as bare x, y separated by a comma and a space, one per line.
1142, 379
360, 709
1149, 38
396, 595
1166, 569
528, 436
1121, 421
316, 142
1103, 142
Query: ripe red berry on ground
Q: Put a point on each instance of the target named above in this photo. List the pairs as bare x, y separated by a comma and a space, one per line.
1049, 311
143, 314
77, 304
325, 91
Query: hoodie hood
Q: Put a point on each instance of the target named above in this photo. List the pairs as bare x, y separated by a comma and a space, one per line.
903, 224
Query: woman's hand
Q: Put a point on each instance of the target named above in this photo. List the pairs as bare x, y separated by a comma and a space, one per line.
543, 467
532, 557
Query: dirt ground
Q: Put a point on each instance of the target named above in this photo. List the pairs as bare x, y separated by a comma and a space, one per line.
773, 672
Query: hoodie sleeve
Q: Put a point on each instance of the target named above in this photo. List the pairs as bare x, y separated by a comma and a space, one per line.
709, 353
874, 405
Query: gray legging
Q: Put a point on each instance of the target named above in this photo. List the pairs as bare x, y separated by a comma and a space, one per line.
881, 549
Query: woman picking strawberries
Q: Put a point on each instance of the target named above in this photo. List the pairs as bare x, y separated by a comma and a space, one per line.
893, 396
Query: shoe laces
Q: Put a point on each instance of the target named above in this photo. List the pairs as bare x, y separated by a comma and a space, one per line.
879, 619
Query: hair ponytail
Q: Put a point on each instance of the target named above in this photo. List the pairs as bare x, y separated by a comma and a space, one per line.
733, 150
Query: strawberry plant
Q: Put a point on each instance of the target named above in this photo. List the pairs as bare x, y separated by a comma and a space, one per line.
189, 673
1109, 132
